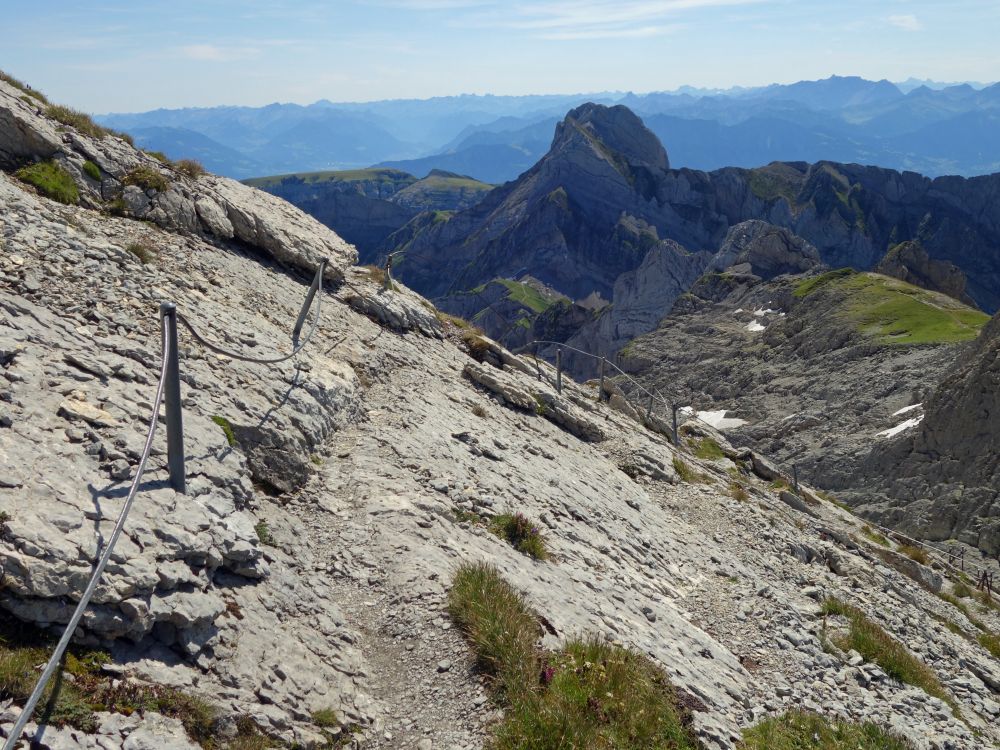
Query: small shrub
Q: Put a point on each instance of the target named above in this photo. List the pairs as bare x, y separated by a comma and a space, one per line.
37, 95
523, 534
51, 180
877, 646
92, 171
316, 459
915, 553
145, 253
227, 429
375, 274
147, 178
804, 730
454, 320
479, 411
158, 155
708, 450
961, 590
190, 168
117, 207
466, 516
264, 533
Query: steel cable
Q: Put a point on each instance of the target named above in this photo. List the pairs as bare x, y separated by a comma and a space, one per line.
261, 361
67, 636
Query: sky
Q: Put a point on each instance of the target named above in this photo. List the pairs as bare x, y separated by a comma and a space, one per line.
109, 56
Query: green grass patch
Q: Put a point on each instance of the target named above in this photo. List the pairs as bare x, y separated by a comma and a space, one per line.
92, 170
227, 429
51, 180
991, 642
76, 119
878, 647
158, 155
522, 533
810, 285
873, 536
525, 295
591, 694
738, 492
894, 312
804, 730
325, 717
263, 533
708, 449
775, 181
380, 175
72, 701
687, 473
147, 178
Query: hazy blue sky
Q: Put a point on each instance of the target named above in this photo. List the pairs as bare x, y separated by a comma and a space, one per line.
108, 55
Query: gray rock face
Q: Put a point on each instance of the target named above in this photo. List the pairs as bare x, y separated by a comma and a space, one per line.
764, 250
216, 206
910, 262
941, 479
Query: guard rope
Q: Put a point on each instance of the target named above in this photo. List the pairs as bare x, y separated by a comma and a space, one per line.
67, 636
939, 553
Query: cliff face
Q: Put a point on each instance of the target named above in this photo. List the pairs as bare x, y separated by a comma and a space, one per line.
300, 586
942, 479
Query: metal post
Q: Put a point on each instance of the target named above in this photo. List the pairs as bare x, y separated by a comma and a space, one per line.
538, 368
172, 398
795, 476
559, 370
675, 408
387, 281
313, 288
600, 388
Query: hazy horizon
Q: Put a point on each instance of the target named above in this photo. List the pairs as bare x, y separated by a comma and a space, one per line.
138, 56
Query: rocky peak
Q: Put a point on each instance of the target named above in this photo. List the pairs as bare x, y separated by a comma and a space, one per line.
765, 250
910, 262
611, 129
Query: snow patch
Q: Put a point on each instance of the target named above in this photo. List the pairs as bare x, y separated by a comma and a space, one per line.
893, 431
906, 409
761, 312
754, 327
716, 419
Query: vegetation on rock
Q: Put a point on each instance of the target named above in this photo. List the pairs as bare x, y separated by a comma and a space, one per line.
51, 180
147, 178
591, 694
803, 730
523, 534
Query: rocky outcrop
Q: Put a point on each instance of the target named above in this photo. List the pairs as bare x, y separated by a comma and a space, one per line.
764, 250
941, 479
137, 185
910, 262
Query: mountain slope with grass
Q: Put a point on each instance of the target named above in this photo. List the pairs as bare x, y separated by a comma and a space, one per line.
365, 206
406, 534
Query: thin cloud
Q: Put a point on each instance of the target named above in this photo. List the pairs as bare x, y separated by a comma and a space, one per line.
215, 53
630, 33
908, 22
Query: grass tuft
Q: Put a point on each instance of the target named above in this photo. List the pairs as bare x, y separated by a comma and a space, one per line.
738, 492
708, 449
92, 170
804, 730
190, 168
325, 717
227, 429
874, 536
523, 534
143, 251
263, 533
147, 178
51, 180
877, 646
36, 95
592, 694
915, 553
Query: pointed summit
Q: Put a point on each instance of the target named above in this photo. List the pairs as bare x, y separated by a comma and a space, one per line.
611, 129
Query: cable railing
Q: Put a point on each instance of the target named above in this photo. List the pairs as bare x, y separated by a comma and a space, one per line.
167, 393
984, 578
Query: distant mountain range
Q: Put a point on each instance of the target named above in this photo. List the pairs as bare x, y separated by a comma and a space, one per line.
921, 126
